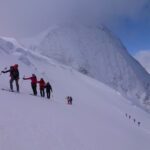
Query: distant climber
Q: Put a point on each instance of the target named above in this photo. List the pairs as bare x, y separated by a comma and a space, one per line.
69, 100
48, 89
42, 87
14, 76
33, 83
139, 123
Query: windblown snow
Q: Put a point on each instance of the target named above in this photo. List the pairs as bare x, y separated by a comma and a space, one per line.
98, 118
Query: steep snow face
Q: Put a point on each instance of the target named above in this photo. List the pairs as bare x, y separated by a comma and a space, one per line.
95, 51
144, 58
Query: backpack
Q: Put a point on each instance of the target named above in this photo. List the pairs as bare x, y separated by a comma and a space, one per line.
14, 73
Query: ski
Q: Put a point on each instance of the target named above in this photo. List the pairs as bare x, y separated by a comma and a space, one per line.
8, 90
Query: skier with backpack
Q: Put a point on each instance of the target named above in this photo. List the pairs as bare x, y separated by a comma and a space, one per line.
14, 76
48, 89
33, 83
42, 86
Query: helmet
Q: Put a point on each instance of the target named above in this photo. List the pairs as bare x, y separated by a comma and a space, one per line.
33, 75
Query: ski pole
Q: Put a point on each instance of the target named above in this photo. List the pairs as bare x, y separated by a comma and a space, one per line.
52, 97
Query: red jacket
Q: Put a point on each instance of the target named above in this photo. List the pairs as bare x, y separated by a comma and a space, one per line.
33, 80
41, 83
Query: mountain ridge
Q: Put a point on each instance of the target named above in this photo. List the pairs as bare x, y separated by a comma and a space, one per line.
97, 52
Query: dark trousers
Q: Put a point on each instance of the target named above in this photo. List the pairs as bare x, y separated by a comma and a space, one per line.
70, 101
42, 92
48, 94
34, 88
17, 84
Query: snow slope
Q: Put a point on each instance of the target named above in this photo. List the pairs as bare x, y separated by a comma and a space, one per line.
144, 58
95, 51
96, 120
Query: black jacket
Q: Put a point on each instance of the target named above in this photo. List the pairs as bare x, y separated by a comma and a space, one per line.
48, 87
14, 73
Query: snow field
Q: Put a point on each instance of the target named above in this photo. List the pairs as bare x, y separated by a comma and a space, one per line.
96, 120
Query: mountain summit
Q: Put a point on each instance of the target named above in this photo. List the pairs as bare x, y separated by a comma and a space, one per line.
95, 51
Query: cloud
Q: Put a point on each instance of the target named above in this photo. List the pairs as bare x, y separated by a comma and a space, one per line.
107, 10
28, 17
144, 58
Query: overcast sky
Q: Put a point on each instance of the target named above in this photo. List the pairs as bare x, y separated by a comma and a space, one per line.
129, 19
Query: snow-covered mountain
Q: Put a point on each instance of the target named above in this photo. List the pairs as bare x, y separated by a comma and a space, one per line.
98, 113
95, 51
144, 58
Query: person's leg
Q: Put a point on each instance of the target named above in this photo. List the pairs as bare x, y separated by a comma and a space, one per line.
41, 93
11, 83
34, 89
17, 85
48, 94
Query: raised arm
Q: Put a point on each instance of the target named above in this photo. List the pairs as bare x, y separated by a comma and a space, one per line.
6, 71
27, 78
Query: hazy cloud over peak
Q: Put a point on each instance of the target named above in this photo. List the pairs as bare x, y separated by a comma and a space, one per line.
28, 17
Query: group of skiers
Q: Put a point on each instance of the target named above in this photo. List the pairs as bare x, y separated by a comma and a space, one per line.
42, 86
14, 76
